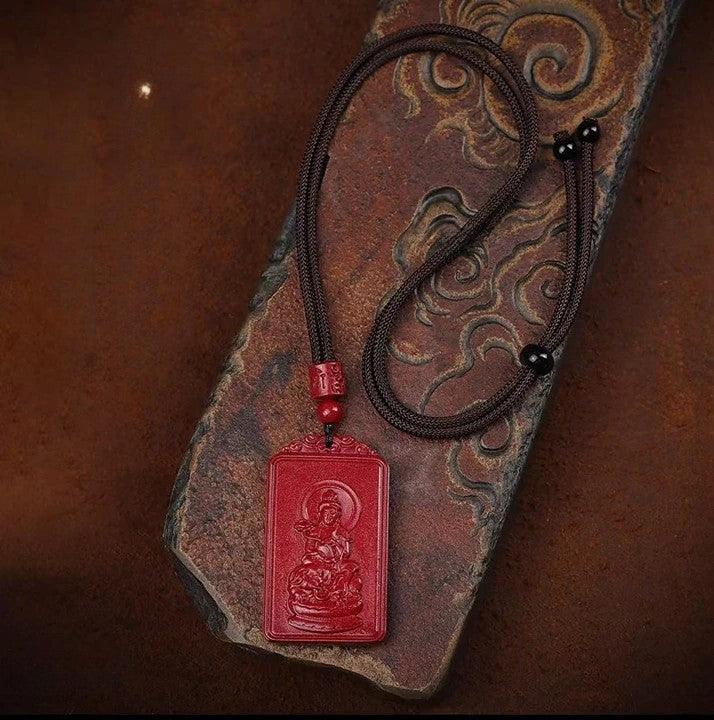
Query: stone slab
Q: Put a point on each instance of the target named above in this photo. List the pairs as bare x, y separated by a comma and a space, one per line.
421, 145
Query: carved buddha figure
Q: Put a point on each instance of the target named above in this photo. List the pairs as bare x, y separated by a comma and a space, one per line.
325, 588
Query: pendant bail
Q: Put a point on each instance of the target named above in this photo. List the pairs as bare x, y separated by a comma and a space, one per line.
329, 434
327, 385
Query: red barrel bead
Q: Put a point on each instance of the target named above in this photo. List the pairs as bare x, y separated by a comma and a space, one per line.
327, 380
329, 412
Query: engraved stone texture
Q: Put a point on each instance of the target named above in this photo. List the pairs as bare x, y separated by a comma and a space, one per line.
421, 146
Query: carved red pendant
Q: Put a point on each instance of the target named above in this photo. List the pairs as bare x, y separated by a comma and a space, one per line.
326, 543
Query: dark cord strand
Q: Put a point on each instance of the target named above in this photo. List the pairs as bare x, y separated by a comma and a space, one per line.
576, 157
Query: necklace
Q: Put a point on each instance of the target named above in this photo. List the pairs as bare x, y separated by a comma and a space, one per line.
327, 499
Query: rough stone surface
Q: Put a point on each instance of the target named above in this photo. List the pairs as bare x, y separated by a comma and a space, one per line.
421, 145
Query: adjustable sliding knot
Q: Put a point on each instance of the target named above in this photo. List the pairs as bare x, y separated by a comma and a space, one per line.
564, 147
588, 131
537, 358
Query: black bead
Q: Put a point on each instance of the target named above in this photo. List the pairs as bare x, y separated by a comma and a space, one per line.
537, 358
589, 131
565, 149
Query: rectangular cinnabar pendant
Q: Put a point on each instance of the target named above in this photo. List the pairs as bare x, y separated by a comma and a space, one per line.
326, 543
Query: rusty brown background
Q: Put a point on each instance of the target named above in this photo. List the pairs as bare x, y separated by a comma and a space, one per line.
127, 264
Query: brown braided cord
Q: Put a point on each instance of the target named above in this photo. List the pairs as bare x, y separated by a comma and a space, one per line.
461, 44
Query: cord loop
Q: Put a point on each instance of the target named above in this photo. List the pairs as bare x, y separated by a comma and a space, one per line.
576, 154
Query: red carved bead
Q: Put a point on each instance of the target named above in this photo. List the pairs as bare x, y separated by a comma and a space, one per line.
327, 380
329, 412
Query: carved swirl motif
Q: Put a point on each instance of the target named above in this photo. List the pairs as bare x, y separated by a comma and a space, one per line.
469, 322
641, 11
487, 298
569, 64
315, 444
491, 300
